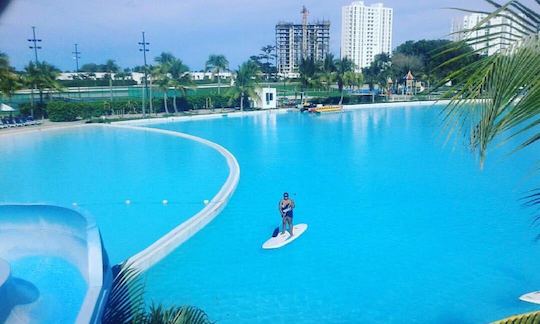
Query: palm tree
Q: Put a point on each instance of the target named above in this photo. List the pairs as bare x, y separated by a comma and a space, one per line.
42, 76
160, 74
9, 80
505, 86
246, 82
181, 79
165, 58
163, 81
328, 70
309, 70
267, 56
171, 72
353, 79
182, 84
379, 71
111, 66
343, 67
217, 64
151, 75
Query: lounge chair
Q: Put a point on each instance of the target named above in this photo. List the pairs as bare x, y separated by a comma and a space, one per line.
14, 123
27, 122
32, 121
19, 122
9, 122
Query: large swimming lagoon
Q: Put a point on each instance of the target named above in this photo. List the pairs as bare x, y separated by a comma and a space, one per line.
402, 226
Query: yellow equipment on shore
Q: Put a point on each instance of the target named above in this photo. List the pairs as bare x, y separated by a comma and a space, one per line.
326, 109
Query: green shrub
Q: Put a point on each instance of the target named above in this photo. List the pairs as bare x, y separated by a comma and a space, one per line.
60, 111
88, 110
199, 101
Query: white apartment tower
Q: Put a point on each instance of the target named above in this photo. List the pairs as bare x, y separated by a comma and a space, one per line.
365, 32
504, 32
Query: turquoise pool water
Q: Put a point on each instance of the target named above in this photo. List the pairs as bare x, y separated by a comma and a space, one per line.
401, 227
49, 290
100, 168
46, 249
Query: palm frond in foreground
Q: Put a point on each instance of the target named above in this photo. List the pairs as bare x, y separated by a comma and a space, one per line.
499, 94
175, 315
125, 304
528, 318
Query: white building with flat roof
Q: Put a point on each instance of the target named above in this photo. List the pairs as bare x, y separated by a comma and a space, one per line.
138, 76
198, 76
503, 31
365, 32
266, 98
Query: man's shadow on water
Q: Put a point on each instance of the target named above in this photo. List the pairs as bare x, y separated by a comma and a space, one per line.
17, 291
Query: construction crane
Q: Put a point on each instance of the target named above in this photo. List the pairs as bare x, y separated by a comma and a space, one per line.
305, 14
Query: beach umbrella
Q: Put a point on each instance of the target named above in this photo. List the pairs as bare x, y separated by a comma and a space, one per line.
6, 108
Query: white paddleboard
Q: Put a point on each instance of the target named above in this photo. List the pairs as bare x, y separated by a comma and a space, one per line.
532, 297
285, 238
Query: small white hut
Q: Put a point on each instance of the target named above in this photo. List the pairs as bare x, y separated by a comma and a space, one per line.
267, 98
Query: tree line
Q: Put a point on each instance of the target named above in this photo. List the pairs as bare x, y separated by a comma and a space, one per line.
167, 72
424, 58
429, 60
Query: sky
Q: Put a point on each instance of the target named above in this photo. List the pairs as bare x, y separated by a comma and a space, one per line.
190, 29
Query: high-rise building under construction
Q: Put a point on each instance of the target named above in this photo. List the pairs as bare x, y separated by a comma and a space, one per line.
295, 42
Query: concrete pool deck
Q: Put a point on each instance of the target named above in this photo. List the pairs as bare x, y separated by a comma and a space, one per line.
45, 125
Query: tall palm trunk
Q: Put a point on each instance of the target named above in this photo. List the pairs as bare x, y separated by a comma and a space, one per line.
174, 103
341, 87
219, 83
267, 65
144, 94
110, 89
150, 97
165, 101
242, 101
32, 101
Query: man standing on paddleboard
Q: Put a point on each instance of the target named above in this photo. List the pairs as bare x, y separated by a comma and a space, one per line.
286, 207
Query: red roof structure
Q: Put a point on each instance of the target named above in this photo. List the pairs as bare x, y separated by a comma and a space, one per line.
409, 76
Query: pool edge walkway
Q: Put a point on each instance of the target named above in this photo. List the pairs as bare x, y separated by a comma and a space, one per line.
166, 244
